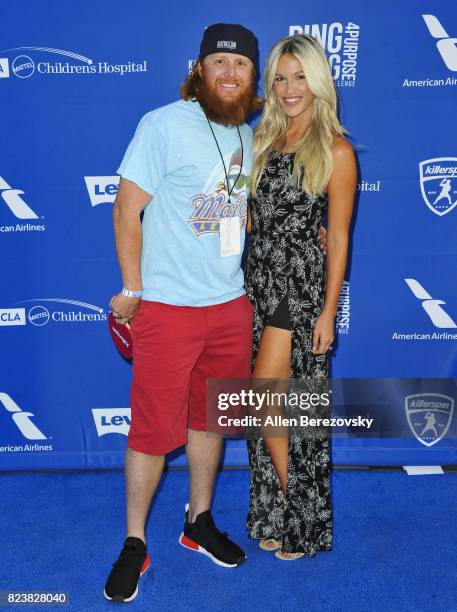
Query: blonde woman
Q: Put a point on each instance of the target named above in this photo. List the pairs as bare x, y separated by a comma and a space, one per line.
304, 168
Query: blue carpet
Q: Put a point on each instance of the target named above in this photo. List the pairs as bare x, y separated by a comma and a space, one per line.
395, 547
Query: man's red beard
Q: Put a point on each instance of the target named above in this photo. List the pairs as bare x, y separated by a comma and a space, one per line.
226, 112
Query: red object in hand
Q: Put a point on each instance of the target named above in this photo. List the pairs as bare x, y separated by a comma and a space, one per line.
121, 336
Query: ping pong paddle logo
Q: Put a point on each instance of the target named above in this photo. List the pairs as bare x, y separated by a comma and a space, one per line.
121, 336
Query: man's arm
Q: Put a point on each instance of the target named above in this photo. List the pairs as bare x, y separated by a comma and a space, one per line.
129, 203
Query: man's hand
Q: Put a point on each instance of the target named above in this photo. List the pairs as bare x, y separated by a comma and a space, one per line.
124, 308
130, 201
322, 237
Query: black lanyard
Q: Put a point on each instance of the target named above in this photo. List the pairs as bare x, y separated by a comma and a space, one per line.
229, 191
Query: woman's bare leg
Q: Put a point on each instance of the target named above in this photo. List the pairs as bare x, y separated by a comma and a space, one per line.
273, 361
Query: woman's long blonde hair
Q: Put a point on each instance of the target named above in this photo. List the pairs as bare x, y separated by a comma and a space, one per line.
313, 158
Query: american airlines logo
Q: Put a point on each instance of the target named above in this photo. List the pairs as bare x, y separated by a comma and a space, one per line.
434, 310
19, 208
12, 198
446, 45
111, 420
438, 316
102, 189
447, 48
22, 419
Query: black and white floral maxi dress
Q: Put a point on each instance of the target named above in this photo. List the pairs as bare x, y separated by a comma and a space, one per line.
285, 261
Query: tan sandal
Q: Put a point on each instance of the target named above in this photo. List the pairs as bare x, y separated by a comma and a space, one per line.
287, 556
269, 544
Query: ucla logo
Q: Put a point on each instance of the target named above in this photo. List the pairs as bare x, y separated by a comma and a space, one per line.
4, 68
438, 182
429, 416
12, 316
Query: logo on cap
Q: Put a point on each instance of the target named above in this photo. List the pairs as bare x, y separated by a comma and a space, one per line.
226, 44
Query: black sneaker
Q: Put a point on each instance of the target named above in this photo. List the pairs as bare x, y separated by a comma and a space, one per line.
133, 562
204, 537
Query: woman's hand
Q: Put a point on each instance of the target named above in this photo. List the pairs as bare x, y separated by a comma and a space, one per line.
323, 334
322, 238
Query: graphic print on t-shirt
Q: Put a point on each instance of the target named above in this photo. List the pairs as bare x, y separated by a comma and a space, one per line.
212, 204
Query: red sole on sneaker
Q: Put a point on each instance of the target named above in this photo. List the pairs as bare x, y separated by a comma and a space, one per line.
191, 545
118, 598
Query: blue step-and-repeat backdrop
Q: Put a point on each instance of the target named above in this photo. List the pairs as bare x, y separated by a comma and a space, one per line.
76, 77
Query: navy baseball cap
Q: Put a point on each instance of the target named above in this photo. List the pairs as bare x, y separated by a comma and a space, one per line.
229, 38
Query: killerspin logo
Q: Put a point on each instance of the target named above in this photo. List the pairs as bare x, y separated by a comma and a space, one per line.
438, 183
341, 42
26, 62
429, 416
13, 205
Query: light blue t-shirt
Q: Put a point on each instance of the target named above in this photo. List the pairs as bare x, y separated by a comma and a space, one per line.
174, 157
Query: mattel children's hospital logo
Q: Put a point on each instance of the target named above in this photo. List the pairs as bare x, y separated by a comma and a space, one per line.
341, 42
24, 62
429, 416
102, 189
446, 46
39, 312
438, 183
212, 205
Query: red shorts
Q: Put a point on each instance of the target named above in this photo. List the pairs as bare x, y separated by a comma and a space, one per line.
175, 349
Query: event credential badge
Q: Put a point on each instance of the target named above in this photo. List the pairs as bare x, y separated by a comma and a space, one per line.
229, 232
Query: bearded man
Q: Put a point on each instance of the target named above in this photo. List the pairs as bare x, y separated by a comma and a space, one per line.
187, 168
